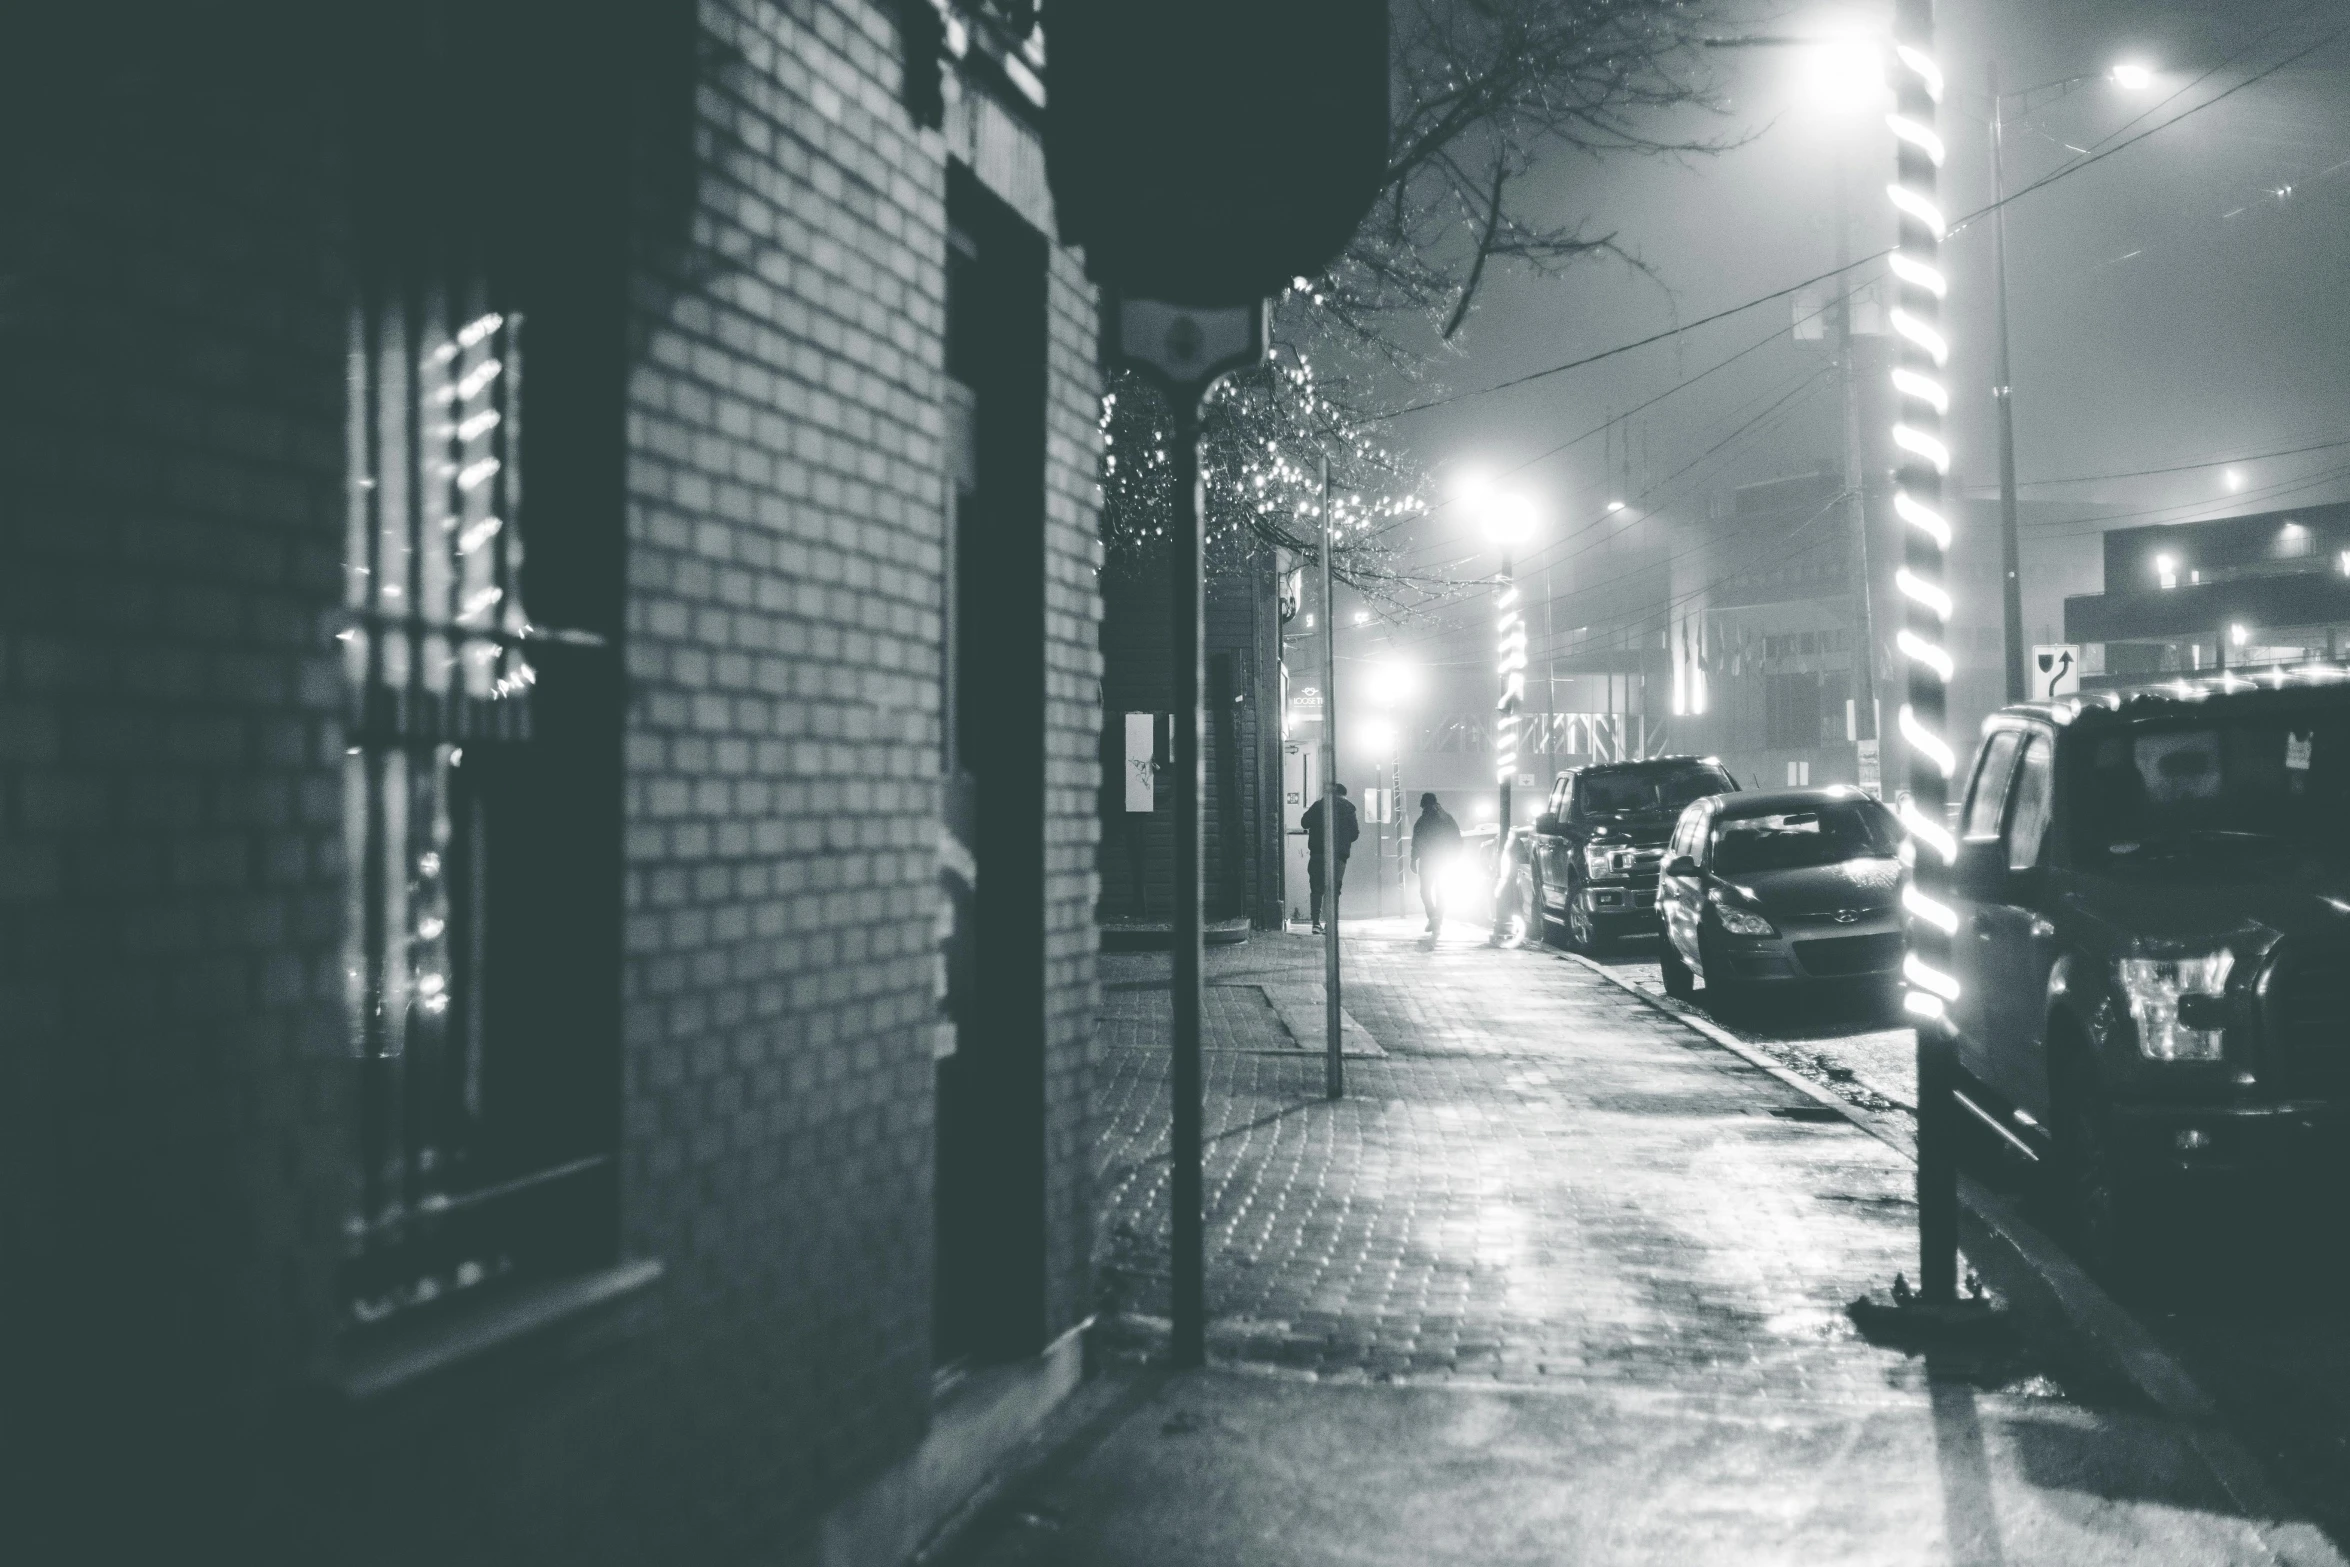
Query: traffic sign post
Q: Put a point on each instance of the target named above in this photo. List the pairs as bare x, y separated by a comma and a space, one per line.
1184, 352
2055, 671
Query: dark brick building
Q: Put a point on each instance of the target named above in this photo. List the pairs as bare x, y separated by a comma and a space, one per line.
530, 538
1241, 816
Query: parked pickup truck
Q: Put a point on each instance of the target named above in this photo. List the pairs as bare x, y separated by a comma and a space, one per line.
1601, 836
2153, 950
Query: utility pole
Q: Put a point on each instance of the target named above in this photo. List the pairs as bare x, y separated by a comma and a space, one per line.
2011, 585
1550, 722
1864, 654
1333, 1063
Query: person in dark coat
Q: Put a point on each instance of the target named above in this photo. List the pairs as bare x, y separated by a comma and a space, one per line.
1347, 831
1436, 843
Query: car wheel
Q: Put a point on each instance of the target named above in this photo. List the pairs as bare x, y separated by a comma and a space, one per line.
1680, 984
1725, 998
1580, 936
2103, 1212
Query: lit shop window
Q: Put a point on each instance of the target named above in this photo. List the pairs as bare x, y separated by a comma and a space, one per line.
440, 683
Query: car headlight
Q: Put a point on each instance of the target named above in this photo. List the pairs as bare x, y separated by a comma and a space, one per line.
1736, 921
2155, 986
1601, 860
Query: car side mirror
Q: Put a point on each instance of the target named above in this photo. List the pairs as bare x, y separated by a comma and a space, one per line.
1547, 822
1680, 865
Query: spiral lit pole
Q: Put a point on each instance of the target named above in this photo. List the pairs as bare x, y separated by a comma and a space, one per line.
1922, 462
1509, 522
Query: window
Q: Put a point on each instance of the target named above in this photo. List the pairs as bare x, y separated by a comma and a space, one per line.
1791, 711
1689, 833
2035, 795
470, 1168
2236, 792
1787, 840
1988, 793
1649, 789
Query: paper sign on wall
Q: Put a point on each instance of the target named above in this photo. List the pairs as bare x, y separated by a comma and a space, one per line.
1141, 752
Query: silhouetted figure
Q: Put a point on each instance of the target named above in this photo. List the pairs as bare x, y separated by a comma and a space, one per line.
1436, 843
1347, 831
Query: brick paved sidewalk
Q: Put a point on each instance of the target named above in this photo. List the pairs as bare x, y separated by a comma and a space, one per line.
1541, 1180
1634, 1246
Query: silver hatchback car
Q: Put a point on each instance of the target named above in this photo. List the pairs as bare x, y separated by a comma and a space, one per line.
1780, 889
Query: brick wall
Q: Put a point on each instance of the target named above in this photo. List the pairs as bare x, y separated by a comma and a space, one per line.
1240, 840
1073, 719
783, 593
178, 1089
172, 1092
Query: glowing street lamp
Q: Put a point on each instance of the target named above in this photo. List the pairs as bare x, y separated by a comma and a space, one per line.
1845, 73
2132, 77
1391, 683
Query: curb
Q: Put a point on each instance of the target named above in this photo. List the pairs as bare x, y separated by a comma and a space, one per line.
2165, 1383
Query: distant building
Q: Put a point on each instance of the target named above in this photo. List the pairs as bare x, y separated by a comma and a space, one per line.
2234, 592
549, 693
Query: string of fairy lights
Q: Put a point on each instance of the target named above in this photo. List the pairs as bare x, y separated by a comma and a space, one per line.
1921, 354
1264, 438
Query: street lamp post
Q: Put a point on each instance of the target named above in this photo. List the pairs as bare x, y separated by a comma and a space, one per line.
2011, 586
2130, 78
1922, 356
1333, 1063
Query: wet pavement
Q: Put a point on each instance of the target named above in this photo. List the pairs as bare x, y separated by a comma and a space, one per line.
1852, 1042
1559, 1280
2253, 1301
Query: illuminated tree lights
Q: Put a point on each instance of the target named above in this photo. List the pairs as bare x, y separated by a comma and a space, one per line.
1263, 436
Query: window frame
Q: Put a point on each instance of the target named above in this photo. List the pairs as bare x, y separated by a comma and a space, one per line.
2036, 744
487, 1142
2011, 738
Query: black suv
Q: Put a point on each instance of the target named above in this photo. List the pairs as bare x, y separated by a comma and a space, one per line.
1601, 836
2153, 943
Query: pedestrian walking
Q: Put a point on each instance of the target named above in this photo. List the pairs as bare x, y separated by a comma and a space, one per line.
1347, 830
1436, 843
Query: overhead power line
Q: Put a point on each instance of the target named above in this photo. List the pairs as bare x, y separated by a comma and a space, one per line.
1956, 224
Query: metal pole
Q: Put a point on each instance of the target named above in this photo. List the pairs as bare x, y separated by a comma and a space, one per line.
1864, 655
2011, 583
1505, 746
1926, 535
1188, 1262
1333, 1064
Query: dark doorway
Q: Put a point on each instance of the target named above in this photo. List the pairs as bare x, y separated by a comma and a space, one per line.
988, 1294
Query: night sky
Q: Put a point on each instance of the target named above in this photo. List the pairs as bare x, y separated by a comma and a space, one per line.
2169, 306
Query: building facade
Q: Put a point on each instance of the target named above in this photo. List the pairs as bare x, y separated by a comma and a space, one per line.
548, 778
2189, 598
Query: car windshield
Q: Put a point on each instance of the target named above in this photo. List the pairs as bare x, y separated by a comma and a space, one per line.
2261, 786
1609, 794
1819, 835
